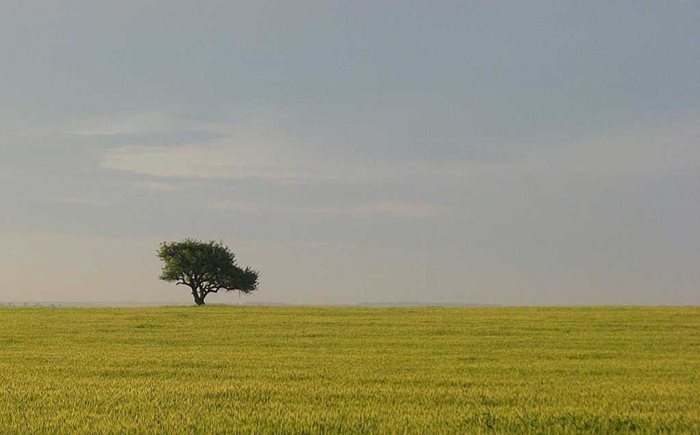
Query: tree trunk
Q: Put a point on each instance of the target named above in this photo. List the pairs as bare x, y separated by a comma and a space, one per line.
199, 300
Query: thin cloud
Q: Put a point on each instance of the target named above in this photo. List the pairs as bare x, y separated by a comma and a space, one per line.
249, 148
79, 201
198, 162
416, 210
156, 187
126, 124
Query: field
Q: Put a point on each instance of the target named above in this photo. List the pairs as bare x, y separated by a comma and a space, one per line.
349, 370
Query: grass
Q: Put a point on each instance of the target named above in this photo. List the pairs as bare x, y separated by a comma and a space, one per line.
349, 370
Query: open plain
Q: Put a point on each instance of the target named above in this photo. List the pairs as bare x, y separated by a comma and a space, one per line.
219, 369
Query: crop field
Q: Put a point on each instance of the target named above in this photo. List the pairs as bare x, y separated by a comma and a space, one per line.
221, 369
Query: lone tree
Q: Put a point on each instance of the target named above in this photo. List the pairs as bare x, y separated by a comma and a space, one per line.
204, 267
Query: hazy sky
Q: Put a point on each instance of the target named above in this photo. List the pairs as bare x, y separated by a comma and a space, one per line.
538, 152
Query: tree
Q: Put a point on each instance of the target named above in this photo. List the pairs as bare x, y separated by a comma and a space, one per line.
204, 267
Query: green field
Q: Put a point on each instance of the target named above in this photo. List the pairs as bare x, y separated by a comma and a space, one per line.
349, 370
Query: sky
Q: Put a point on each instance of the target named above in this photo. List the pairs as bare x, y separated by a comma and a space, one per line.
481, 152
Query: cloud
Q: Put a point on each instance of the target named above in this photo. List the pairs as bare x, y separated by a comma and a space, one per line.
201, 161
252, 147
272, 149
126, 124
141, 129
640, 150
634, 153
156, 187
71, 200
415, 210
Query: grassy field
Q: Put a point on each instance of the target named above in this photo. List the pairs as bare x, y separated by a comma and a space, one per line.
349, 370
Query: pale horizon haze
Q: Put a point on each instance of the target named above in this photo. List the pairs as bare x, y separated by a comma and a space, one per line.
515, 153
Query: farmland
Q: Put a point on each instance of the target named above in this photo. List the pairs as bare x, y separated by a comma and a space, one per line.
350, 370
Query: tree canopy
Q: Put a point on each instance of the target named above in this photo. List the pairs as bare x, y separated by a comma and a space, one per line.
204, 267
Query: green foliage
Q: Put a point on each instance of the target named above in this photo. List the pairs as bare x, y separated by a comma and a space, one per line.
205, 267
350, 370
